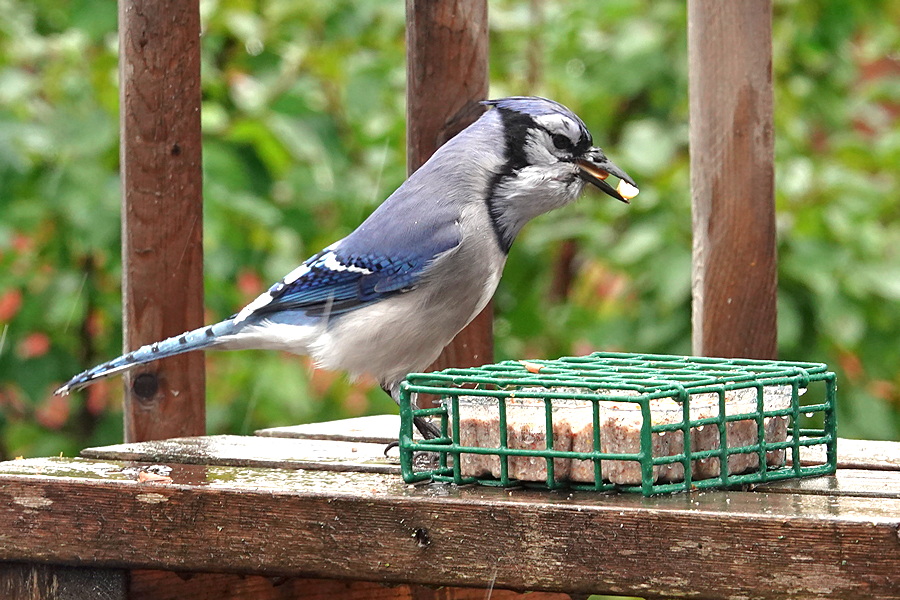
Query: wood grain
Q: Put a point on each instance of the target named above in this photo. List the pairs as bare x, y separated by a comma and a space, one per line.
852, 454
165, 585
369, 526
732, 178
447, 76
376, 429
255, 452
845, 482
382, 429
860, 454
162, 213
21, 581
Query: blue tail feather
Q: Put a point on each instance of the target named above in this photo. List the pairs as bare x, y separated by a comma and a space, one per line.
200, 338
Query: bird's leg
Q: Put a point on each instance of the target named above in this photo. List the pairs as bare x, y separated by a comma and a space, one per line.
428, 429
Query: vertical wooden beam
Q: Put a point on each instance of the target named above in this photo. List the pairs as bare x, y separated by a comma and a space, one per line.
732, 178
447, 75
162, 213
32, 581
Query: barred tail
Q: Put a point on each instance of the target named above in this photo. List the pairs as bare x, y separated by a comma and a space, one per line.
197, 339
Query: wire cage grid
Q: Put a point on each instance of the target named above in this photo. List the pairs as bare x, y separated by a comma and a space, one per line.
604, 379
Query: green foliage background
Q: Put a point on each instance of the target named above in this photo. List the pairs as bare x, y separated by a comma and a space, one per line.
303, 120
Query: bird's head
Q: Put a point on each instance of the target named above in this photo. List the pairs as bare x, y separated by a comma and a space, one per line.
548, 157
541, 134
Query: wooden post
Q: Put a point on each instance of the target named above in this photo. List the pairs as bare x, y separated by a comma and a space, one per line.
732, 178
447, 75
33, 581
162, 213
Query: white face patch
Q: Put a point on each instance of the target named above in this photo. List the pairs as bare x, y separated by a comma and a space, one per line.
556, 123
537, 150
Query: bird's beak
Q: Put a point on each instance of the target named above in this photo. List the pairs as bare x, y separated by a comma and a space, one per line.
594, 168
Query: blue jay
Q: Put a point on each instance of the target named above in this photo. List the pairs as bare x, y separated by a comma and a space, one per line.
386, 299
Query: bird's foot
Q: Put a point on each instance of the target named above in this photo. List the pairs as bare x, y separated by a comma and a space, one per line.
390, 447
428, 430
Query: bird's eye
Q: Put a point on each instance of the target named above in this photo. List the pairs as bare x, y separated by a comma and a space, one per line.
561, 142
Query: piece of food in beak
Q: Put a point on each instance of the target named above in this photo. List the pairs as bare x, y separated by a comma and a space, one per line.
627, 190
595, 172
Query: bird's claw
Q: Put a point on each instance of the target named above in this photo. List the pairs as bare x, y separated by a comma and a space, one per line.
390, 447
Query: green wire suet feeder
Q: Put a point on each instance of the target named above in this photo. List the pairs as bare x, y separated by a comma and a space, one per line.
630, 422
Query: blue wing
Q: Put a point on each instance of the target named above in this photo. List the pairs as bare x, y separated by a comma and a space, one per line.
371, 264
332, 282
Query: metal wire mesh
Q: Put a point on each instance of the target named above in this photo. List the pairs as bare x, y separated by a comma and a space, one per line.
631, 422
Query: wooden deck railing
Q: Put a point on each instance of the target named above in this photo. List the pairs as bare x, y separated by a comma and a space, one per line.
323, 514
732, 175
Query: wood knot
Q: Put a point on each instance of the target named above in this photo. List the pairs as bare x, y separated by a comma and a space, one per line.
422, 538
145, 386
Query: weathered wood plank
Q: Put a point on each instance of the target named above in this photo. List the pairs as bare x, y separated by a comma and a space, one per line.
320, 451
251, 451
22, 581
846, 482
376, 429
860, 454
371, 526
732, 178
162, 211
165, 585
